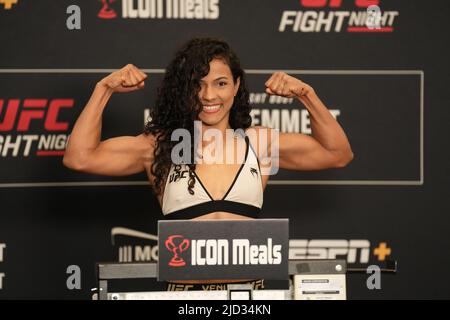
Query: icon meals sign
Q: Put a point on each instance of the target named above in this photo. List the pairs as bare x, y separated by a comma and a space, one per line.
223, 249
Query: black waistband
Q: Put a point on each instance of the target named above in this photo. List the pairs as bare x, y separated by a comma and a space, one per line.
215, 206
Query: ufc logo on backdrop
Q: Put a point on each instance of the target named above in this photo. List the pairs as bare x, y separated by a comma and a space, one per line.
30, 110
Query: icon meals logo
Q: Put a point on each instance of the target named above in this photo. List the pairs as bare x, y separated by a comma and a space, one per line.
159, 9
213, 252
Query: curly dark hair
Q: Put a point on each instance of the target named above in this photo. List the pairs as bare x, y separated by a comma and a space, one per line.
177, 103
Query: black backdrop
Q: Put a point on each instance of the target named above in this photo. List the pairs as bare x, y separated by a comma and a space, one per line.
387, 88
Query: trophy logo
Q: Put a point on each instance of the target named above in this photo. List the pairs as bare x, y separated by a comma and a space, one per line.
176, 249
106, 12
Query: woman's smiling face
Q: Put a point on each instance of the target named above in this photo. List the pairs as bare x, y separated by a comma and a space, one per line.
217, 91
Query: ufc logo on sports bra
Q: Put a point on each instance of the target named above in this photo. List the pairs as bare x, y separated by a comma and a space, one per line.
178, 174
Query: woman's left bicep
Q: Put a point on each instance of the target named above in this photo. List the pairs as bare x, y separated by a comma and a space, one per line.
301, 152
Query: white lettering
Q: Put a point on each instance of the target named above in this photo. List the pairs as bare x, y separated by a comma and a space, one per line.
2, 247
240, 251
29, 140
286, 20
216, 252
73, 21
330, 249
5, 145
209, 252
190, 310
74, 280
170, 9
288, 120
374, 280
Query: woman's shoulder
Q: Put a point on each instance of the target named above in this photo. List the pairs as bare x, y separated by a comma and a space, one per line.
146, 139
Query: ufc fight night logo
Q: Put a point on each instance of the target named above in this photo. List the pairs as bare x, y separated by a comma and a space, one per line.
21, 118
319, 16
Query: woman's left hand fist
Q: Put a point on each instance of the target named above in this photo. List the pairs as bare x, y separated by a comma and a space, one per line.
282, 84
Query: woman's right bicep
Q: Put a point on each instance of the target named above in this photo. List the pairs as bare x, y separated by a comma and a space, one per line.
119, 156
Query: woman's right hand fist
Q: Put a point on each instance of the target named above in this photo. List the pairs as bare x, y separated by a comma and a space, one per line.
127, 79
